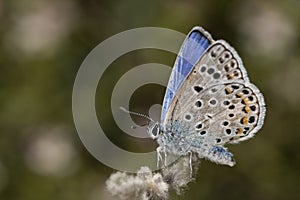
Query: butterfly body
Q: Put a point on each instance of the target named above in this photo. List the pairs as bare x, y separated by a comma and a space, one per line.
209, 101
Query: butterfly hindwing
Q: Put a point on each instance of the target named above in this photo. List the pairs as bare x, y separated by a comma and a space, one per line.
224, 113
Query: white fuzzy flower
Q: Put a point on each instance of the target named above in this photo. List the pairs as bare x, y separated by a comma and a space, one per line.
146, 185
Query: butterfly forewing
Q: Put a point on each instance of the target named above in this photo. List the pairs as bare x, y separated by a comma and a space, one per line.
191, 51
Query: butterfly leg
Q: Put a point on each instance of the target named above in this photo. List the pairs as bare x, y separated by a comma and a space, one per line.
220, 155
191, 167
159, 158
165, 157
159, 150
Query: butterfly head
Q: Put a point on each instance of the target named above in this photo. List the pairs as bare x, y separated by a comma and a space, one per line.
154, 130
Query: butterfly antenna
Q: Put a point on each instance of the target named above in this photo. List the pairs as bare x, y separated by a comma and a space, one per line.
138, 114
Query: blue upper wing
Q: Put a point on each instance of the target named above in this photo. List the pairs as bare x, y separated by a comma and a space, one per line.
191, 51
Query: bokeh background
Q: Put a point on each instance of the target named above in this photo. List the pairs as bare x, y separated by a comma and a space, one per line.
42, 44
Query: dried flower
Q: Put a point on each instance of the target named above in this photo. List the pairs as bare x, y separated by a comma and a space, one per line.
146, 185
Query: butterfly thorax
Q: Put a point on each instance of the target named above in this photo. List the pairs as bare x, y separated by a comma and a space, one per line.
174, 138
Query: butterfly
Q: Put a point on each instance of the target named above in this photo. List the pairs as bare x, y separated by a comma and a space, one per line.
209, 102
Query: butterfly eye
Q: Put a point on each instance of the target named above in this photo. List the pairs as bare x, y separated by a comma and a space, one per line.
155, 131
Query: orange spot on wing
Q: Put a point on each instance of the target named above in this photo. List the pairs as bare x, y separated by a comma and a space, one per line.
240, 130
230, 76
239, 94
228, 91
247, 109
245, 120
245, 101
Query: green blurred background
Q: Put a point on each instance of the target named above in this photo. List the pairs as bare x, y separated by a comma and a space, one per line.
43, 43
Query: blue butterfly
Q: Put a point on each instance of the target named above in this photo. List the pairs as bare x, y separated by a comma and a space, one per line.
209, 102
